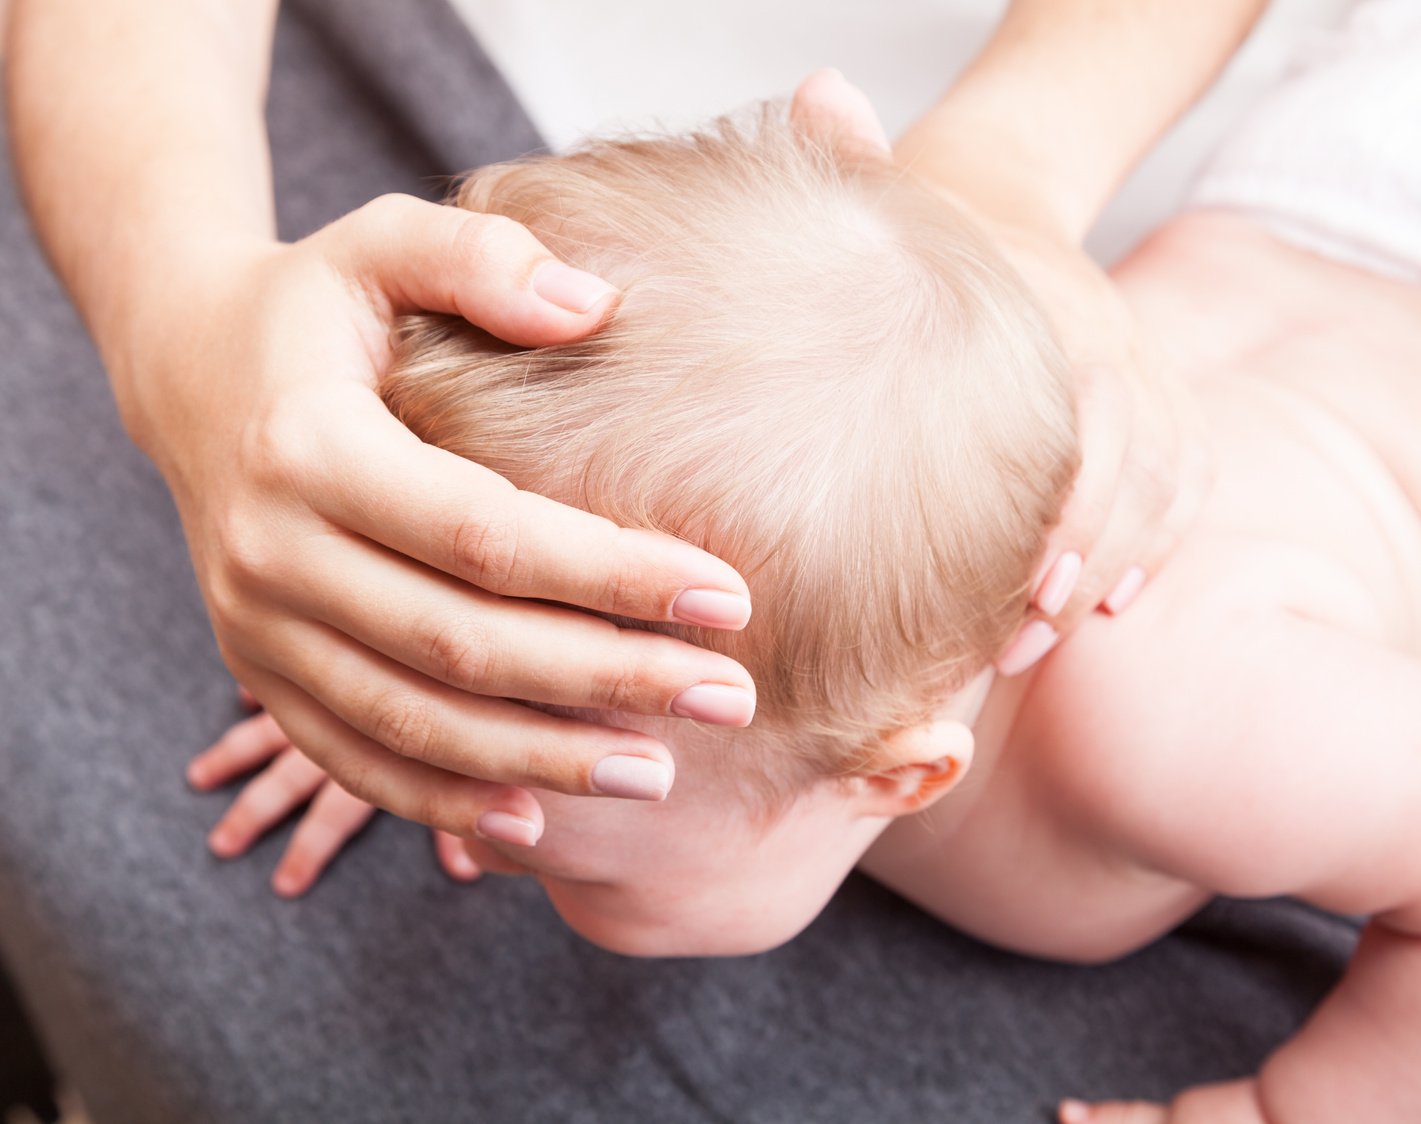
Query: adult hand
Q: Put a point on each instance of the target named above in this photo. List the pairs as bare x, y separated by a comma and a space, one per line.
1144, 467
377, 594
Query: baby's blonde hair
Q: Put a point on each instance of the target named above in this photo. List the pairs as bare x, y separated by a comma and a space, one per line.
819, 372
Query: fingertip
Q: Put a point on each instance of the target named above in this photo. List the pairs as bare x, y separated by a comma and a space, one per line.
1073, 1111
198, 777
574, 290
629, 777
1126, 590
458, 864
506, 827
289, 884
225, 843
712, 608
1054, 590
1031, 645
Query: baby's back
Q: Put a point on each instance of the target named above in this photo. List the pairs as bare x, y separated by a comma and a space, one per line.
1309, 376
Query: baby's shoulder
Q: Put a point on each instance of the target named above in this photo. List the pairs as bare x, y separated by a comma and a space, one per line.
1140, 728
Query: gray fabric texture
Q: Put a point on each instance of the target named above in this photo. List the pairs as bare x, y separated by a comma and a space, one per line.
172, 988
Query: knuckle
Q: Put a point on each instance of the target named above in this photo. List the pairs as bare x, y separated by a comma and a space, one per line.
384, 212
226, 608
539, 758
283, 451
401, 721
622, 686
461, 654
439, 807
486, 551
621, 593
487, 240
357, 779
246, 561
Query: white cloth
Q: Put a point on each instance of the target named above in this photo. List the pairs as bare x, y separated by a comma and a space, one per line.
1330, 159
589, 66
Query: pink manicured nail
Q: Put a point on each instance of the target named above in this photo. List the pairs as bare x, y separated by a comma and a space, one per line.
1126, 592
1075, 1112
570, 288
633, 778
712, 608
716, 703
508, 828
1059, 584
1034, 640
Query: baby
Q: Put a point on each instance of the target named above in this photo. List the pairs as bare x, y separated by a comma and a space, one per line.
821, 373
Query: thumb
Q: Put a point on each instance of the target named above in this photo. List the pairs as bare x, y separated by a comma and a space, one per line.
827, 104
408, 255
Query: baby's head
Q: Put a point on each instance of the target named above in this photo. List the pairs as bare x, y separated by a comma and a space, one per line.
822, 374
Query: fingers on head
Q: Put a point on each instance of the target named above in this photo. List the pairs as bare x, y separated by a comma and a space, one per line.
410, 255
472, 524
389, 734
409, 788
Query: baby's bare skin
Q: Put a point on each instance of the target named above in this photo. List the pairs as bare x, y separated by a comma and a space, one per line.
1253, 726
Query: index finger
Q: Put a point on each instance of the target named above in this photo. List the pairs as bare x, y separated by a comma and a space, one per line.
381, 482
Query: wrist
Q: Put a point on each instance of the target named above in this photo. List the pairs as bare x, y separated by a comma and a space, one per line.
996, 154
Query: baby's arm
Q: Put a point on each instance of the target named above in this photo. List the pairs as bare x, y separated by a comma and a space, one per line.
1289, 762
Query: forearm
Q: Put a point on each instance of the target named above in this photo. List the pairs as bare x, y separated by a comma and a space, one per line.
140, 143
1067, 96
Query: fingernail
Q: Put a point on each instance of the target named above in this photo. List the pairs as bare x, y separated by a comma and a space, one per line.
633, 778
712, 608
570, 288
1034, 640
1125, 592
716, 703
1074, 1112
508, 828
1060, 583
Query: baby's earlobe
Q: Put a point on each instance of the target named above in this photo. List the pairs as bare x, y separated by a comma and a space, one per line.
934, 758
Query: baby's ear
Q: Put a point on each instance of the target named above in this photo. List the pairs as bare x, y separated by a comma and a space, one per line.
827, 105
923, 764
